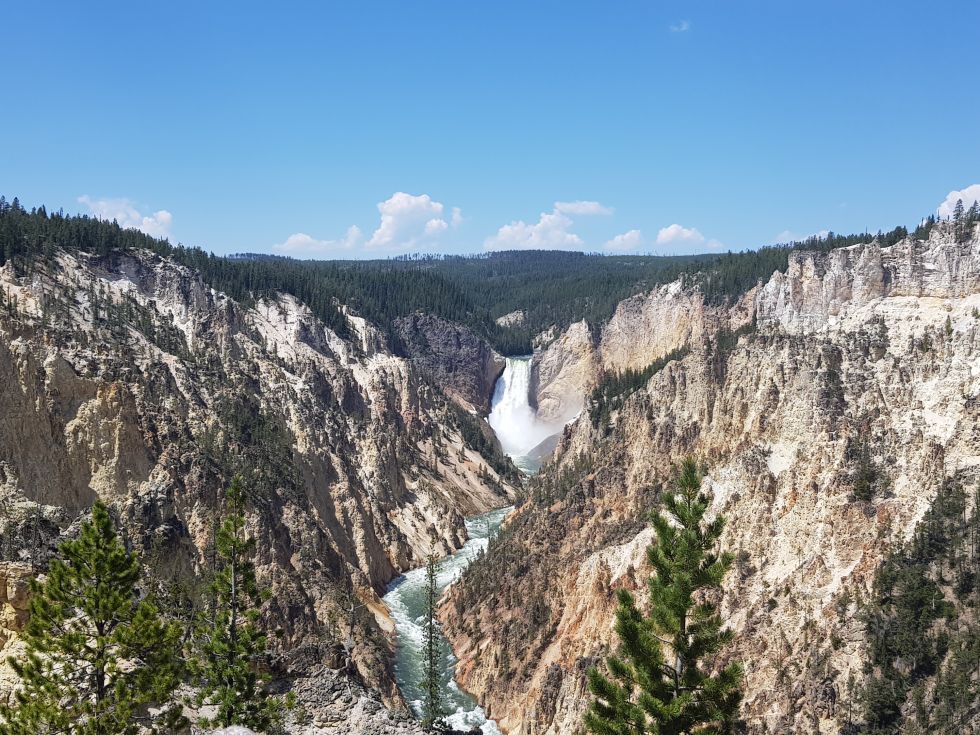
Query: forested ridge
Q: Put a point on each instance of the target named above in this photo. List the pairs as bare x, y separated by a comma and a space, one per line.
551, 288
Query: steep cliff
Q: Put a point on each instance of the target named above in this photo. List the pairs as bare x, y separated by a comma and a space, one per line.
644, 328
465, 366
827, 433
127, 378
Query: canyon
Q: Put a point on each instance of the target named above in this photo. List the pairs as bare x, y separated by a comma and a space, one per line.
865, 346
129, 378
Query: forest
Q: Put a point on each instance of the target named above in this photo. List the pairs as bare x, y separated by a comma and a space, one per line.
550, 288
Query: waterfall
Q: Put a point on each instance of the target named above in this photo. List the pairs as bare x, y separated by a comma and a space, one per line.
513, 420
523, 436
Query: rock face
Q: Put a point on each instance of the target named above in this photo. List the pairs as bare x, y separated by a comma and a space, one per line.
126, 378
339, 708
866, 347
562, 374
643, 329
819, 289
14, 603
465, 366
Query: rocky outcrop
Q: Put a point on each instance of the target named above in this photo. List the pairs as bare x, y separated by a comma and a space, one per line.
643, 329
562, 374
465, 366
818, 289
513, 319
14, 603
126, 378
337, 707
646, 327
839, 363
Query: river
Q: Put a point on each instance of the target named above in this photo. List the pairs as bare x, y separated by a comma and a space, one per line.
525, 439
406, 600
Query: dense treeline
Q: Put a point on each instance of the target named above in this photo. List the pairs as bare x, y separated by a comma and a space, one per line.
550, 288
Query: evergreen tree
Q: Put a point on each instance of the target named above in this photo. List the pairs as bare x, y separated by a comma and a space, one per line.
97, 655
661, 680
432, 709
229, 642
958, 211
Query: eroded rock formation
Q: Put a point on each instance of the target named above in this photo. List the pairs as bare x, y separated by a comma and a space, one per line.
865, 347
465, 366
126, 378
644, 328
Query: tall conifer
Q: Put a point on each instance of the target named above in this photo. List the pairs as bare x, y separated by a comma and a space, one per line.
227, 664
97, 655
432, 708
661, 679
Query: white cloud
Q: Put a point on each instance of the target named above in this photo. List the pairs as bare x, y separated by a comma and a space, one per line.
127, 215
681, 26
787, 236
679, 235
300, 244
627, 241
408, 220
969, 195
550, 232
582, 208
675, 233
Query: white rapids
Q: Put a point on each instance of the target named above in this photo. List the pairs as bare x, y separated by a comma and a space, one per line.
406, 600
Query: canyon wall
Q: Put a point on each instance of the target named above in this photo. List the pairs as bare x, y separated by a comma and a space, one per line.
465, 366
126, 378
864, 348
644, 328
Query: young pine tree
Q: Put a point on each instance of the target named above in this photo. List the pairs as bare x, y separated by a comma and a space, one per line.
660, 679
432, 709
228, 640
97, 655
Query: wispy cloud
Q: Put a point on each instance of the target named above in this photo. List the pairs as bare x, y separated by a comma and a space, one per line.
682, 26
125, 212
303, 245
580, 207
787, 236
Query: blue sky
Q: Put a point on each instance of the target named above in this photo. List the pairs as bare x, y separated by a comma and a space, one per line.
365, 129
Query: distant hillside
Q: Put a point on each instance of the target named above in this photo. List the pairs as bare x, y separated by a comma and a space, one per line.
552, 288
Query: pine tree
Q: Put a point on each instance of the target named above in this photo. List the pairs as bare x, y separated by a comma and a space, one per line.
661, 681
432, 709
97, 655
229, 642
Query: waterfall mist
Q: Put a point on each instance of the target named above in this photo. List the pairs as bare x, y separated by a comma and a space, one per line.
516, 424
